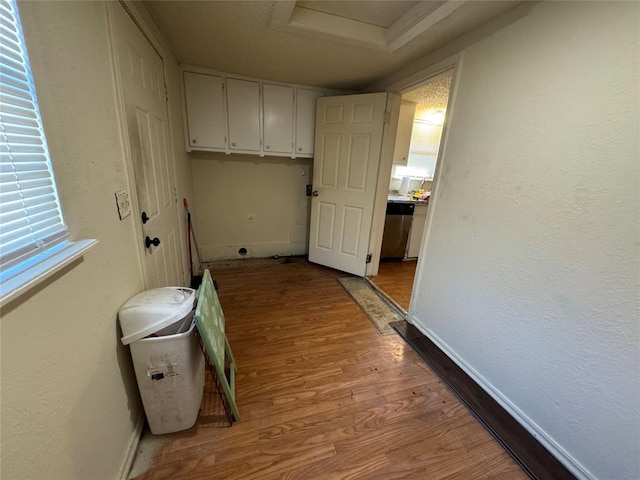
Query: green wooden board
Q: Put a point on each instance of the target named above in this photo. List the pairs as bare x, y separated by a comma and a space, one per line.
210, 323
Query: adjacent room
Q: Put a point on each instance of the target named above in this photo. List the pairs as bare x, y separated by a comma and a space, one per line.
252, 167
415, 156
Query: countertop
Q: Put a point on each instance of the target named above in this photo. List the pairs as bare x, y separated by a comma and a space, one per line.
405, 199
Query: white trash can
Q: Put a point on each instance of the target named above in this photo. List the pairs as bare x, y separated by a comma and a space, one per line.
159, 328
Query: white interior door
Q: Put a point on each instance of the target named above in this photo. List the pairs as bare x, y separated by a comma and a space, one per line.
142, 85
347, 155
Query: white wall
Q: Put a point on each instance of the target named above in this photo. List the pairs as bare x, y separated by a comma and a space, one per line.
529, 275
229, 189
69, 397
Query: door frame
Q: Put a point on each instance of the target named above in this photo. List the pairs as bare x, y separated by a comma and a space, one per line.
411, 82
392, 112
150, 32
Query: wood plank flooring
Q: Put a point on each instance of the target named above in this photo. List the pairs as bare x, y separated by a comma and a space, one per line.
396, 280
532, 456
323, 396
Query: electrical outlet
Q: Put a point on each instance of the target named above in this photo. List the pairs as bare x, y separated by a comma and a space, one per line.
124, 206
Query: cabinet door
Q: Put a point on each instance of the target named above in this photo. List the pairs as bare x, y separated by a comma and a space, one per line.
417, 230
243, 107
277, 102
204, 97
405, 128
306, 120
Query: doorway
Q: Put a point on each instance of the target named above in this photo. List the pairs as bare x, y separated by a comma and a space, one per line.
411, 183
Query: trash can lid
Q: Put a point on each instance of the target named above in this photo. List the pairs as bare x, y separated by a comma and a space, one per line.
154, 309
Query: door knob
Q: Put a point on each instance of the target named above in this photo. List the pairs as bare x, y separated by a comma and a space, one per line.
145, 217
315, 193
148, 242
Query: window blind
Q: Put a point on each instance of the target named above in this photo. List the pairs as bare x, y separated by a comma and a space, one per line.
31, 221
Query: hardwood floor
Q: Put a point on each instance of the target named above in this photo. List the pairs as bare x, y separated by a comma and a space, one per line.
396, 280
323, 396
531, 454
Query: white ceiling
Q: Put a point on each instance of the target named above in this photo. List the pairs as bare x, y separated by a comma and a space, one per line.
378, 13
334, 44
433, 95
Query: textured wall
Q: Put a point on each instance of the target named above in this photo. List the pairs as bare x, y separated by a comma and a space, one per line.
252, 202
69, 398
529, 275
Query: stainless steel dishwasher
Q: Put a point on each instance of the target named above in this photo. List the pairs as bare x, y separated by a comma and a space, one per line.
397, 225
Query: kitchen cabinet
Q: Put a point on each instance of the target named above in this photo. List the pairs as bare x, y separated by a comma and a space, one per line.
277, 107
206, 120
306, 120
243, 115
225, 113
417, 230
405, 129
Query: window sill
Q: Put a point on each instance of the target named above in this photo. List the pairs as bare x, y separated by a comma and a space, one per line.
51, 263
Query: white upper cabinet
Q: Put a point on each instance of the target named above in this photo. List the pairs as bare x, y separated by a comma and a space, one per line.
243, 107
224, 113
306, 120
277, 102
206, 121
405, 128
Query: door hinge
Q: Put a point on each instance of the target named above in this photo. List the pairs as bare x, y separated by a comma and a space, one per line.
387, 118
368, 259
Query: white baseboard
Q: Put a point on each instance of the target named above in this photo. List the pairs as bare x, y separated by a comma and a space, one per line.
132, 446
575, 467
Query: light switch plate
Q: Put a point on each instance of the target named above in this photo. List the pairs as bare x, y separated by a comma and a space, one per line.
124, 207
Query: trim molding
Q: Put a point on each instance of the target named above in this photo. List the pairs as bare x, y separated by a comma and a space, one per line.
132, 446
551, 461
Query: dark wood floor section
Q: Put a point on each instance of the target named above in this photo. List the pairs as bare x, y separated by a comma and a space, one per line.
323, 396
396, 280
533, 457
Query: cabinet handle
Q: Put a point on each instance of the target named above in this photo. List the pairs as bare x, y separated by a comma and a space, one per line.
267, 147
233, 144
194, 141
299, 149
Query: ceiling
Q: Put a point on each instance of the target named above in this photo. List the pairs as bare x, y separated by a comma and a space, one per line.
334, 44
432, 96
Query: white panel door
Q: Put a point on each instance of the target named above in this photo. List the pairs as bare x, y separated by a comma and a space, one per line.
306, 120
347, 155
277, 103
243, 107
142, 86
206, 121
